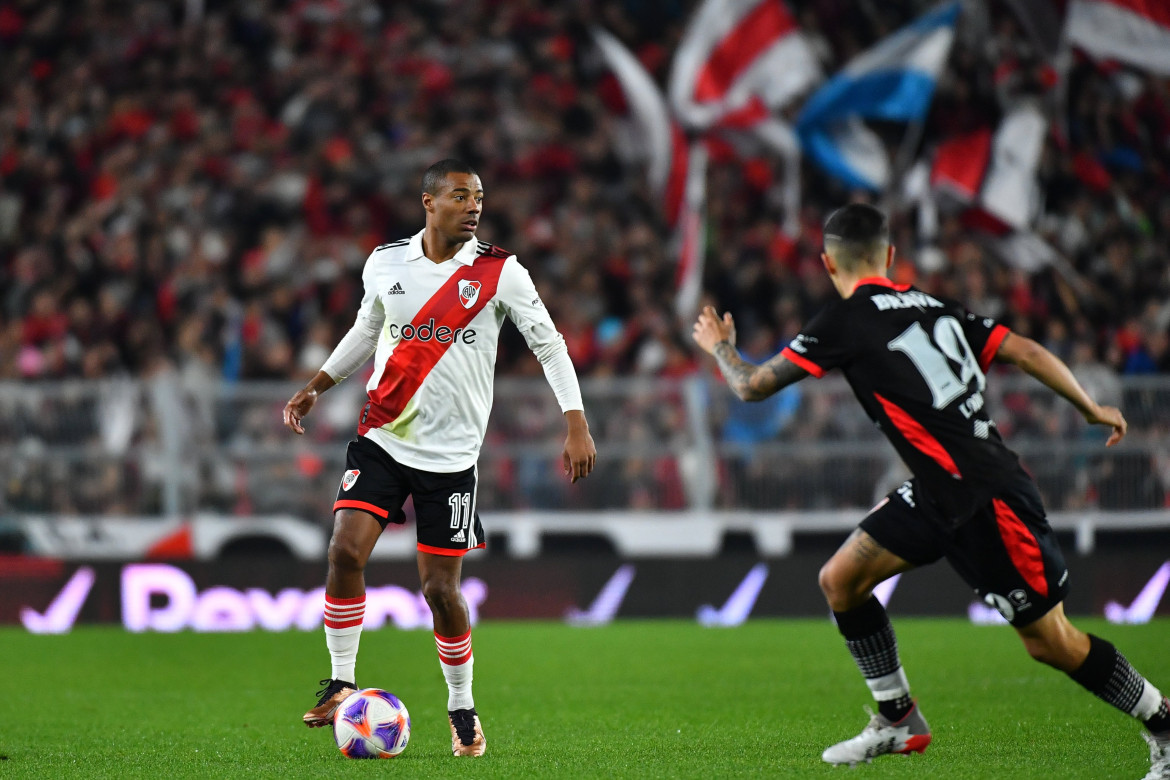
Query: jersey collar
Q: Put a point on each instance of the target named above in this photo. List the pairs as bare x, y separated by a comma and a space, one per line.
880, 281
465, 256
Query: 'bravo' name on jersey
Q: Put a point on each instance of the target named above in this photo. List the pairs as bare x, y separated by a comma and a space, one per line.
904, 300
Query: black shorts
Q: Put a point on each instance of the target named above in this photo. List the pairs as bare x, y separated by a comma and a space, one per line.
1007, 551
444, 504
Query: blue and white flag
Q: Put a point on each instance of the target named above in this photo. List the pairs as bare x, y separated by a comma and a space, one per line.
892, 81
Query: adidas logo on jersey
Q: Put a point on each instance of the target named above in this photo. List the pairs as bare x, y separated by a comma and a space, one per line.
396, 289
459, 537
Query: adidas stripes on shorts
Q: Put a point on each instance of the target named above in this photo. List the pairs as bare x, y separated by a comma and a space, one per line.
444, 504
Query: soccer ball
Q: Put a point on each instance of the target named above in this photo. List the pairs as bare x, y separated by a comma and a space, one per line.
371, 723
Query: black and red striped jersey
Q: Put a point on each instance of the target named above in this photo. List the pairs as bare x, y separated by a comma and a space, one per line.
917, 363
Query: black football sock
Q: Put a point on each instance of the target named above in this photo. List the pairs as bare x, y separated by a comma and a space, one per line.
1160, 722
871, 641
1109, 676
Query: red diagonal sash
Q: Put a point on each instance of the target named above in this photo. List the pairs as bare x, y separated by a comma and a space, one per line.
412, 361
918, 436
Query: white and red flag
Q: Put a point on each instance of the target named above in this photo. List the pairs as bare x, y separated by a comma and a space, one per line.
739, 60
996, 172
690, 235
1136, 32
676, 168
664, 145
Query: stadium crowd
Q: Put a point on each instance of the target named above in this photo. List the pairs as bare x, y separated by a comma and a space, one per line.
196, 185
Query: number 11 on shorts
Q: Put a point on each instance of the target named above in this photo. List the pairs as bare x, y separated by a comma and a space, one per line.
460, 504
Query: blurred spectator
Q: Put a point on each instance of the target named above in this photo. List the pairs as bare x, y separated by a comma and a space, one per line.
236, 164
197, 185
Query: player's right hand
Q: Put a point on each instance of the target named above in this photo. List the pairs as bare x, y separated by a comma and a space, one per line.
710, 329
1111, 416
297, 407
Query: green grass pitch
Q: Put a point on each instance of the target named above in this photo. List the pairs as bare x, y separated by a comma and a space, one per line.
635, 699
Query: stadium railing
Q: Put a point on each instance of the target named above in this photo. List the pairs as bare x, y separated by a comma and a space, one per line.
681, 451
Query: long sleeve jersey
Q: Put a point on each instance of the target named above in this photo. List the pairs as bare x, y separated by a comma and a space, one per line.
434, 329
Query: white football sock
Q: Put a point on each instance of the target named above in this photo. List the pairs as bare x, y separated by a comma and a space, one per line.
343, 632
456, 661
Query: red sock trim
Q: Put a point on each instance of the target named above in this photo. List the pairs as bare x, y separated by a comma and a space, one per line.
454, 651
344, 623
344, 613
452, 639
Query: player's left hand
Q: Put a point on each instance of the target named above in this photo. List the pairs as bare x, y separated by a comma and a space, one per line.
1111, 416
580, 453
296, 409
710, 329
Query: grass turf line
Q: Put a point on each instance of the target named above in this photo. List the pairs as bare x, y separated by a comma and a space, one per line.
634, 699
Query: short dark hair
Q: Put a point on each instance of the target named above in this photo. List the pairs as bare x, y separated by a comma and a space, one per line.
856, 235
434, 176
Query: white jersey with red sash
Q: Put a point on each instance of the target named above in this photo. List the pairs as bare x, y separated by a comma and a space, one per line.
438, 326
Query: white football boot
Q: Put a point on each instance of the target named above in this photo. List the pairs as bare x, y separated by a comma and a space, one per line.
909, 735
1159, 756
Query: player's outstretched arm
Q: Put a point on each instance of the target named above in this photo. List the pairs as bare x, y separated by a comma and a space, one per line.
1033, 358
716, 335
300, 404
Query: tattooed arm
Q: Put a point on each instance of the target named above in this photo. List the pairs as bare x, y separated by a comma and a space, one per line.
748, 381
751, 382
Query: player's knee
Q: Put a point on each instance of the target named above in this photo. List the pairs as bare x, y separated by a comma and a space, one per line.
827, 581
835, 586
442, 594
346, 554
844, 587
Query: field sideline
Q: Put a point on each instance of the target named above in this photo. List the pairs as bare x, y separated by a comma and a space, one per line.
634, 699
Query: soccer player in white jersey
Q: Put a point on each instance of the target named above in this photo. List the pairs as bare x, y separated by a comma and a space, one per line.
431, 315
